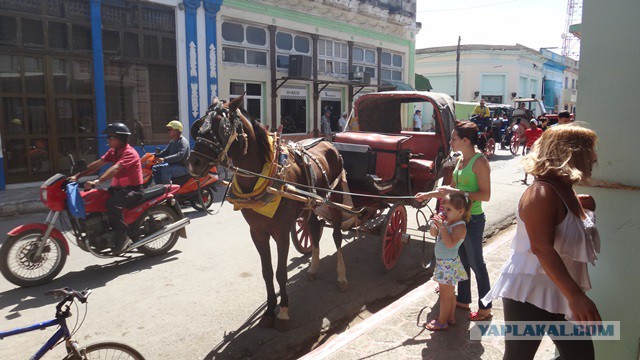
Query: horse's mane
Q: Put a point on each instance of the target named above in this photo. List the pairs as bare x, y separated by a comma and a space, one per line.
262, 136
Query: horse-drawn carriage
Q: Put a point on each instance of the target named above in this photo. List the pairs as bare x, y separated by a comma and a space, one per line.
283, 189
386, 166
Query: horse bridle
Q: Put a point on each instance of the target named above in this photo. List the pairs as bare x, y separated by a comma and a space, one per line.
229, 130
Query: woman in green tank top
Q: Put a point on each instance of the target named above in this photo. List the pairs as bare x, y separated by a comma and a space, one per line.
472, 177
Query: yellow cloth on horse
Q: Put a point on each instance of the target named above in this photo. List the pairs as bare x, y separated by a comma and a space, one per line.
258, 200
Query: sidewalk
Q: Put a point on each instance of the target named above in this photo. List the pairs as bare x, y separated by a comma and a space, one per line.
20, 201
396, 331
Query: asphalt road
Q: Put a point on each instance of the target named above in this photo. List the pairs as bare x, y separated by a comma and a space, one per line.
203, 299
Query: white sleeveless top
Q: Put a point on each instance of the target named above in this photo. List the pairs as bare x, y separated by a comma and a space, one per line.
522, 277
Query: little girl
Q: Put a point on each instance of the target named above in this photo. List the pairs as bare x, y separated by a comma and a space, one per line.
450, 228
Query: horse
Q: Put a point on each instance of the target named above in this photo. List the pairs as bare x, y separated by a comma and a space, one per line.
227, 133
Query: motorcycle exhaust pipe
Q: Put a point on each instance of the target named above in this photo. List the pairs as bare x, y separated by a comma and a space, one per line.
162, 232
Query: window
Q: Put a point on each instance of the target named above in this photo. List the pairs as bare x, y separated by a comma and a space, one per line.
566, 82
244, 44
573, 83
290, 44
333, 57
364, 60
392, 65
253, 98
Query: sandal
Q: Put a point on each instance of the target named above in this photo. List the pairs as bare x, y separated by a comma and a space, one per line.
478, 316
434, 325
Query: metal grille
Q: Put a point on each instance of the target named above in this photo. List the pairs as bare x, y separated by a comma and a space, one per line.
23, 6
158, 19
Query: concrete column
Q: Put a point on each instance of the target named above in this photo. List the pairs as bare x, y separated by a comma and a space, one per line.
211, 8
191, 31
98, 76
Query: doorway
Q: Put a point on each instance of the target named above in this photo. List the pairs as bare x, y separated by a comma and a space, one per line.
334, 107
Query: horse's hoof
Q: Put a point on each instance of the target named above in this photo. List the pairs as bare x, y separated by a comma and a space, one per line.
281, 324
311, 276
343, 286
266, 322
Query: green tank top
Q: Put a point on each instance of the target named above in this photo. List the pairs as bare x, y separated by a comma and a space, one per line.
466, 180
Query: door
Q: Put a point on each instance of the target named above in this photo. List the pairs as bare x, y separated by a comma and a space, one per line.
46, 106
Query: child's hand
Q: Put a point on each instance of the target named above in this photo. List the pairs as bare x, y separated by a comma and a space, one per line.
438, 221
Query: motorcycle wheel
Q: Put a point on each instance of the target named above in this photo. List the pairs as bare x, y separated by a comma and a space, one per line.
154, 219
207, 200
19, 265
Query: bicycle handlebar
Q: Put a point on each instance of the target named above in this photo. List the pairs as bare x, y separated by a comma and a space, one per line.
69, 294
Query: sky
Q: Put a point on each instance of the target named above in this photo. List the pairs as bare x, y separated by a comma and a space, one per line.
532, 23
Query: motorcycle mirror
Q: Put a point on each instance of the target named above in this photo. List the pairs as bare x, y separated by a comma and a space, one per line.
79, 166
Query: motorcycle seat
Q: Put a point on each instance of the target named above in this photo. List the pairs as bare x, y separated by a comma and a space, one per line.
149, 193
181, 180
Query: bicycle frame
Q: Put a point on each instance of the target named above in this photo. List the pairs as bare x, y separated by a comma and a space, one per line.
62, 333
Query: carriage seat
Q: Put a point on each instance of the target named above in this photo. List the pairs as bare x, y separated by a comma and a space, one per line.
385, 146
422, 168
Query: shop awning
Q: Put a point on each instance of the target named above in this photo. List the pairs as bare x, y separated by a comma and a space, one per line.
422, 83
398, 85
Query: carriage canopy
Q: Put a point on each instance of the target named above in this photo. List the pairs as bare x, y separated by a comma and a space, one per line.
381, 112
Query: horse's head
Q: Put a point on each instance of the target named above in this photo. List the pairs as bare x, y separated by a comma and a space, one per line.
215, 133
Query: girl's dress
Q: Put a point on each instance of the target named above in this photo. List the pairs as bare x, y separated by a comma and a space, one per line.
448, 269
522, 277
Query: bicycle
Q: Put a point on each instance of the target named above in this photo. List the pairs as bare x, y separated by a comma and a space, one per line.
102, 350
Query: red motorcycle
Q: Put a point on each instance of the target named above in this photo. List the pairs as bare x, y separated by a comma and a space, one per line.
197, 192
33, 254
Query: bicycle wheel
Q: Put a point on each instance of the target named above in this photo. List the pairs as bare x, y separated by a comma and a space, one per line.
110, 350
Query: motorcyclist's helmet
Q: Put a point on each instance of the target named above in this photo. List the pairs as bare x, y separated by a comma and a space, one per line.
120, 129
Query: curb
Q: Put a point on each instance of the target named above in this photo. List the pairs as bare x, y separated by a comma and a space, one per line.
23, 207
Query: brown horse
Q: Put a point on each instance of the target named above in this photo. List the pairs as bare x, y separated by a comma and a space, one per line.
226, 132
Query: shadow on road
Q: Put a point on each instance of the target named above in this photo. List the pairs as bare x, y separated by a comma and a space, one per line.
92, 277
317, 307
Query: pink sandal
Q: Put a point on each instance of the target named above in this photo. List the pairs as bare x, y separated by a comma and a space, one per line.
434, 325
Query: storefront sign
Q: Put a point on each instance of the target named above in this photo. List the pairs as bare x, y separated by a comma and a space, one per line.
331, 94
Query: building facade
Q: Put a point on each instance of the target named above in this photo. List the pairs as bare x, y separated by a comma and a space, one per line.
497, 73
69, 67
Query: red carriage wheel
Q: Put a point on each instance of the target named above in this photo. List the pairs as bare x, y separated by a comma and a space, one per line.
393, 229
514, 146
491, 148
301, 235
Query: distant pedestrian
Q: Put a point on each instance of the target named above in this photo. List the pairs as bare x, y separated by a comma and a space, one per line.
342, 122
546, 276
531, 135
417, 120
544, 123
325, 124
450, 229
564, 117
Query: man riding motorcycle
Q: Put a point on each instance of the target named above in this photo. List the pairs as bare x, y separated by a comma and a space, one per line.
173, 159
126, 179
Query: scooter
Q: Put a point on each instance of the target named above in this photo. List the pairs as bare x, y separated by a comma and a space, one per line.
197, 192
34, 254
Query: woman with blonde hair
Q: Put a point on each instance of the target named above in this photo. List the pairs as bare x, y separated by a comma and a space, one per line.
546, 277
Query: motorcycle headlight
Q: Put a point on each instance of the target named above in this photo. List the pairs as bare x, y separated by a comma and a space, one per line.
43, 195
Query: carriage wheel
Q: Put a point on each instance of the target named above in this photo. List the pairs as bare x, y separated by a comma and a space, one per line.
393, 229
491, 148
514, 146
301, 235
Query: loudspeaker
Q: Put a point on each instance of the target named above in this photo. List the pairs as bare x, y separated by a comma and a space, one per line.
300, 66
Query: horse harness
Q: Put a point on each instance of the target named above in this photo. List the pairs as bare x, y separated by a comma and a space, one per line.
229, 130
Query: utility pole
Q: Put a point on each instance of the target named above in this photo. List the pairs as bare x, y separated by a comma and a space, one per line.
458, 71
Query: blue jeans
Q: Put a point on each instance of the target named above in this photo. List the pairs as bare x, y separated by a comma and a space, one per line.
162, 173
471, 256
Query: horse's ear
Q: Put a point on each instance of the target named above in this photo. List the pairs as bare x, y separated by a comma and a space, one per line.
193, 131
236, 103
214, 103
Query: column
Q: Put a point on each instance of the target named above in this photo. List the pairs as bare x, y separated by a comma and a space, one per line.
211, 8
191, 31
98, 76
316, 94
272, 70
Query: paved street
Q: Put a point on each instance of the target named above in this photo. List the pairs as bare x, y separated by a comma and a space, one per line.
203, 299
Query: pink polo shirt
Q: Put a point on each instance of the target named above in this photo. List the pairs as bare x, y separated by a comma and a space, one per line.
130, 173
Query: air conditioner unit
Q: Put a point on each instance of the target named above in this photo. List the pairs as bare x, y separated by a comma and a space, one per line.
300, 66
360, 77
